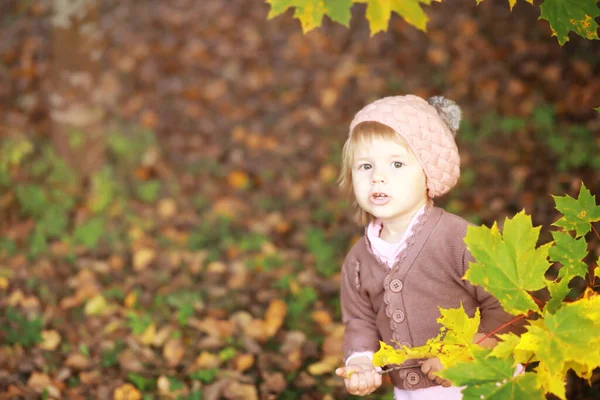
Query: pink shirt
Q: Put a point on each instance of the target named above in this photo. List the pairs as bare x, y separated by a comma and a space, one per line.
386, 251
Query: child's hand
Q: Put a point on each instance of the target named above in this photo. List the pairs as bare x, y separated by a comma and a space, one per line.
432, 365
361, 378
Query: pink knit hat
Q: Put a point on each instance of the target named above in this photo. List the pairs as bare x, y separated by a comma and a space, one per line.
428, 127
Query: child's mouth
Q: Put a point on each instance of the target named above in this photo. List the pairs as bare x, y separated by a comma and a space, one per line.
379, 199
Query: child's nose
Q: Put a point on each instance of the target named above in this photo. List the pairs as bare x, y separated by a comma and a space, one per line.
378, 178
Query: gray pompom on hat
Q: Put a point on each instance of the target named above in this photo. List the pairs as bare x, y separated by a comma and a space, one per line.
449, 111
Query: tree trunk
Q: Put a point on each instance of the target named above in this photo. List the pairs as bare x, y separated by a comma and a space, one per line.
77, 121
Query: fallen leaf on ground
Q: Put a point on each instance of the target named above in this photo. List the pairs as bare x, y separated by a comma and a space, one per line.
173, 351
325, 366
243, 361
127, 392
51, 340
142, 258
275, 316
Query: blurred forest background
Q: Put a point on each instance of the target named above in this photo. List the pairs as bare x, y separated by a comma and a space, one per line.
170, 224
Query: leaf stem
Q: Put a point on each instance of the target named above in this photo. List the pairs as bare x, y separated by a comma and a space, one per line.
540, 302
527, 363
504, 326
595, 231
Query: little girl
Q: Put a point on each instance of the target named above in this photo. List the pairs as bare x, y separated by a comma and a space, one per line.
399, 156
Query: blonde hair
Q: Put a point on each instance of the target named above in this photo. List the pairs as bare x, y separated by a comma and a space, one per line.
360, 135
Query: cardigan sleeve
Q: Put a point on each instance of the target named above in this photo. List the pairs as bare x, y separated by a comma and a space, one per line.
361, 333
492, 314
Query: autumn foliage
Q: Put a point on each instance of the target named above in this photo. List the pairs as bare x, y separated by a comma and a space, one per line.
561, 336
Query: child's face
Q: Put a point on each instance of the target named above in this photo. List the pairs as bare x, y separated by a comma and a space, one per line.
388, 181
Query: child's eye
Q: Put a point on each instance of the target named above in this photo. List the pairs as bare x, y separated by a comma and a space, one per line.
365, 166
397, 164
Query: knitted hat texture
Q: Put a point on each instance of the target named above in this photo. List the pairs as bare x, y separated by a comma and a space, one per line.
426, 128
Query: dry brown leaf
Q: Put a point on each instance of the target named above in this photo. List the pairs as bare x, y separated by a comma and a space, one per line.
142, 258
161, 336
325, 366
51, 340
275, 315
238, 180
216, 267
40, 382
3, 283
98, 306
116, 263
229, 207
149, 119
130, 361
173, 351
328, 173
147, 337
274, 382
167, 208
127, 392
322, 318
15, 298
329, 97
239, 276
207, 360
164, 388
240, 391
243, 362
89, 377
256, 329
77, 361
331, 344
130, 299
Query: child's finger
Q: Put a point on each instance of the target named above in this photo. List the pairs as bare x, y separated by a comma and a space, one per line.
425, 367
341, 372
362, 384
354, 380
370, 381
431, 375
377, 379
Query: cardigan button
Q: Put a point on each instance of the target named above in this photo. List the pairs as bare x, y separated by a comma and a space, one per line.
413, 378
398, 316
406, 344
396, 285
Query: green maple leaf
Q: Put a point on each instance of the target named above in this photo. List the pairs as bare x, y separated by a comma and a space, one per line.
571, 15
558, 291
578, 214
311, 12
508, 265
507, 346
492, 378
279, 7
380, 11
339, 11
567, 338
569, 252
459, 327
